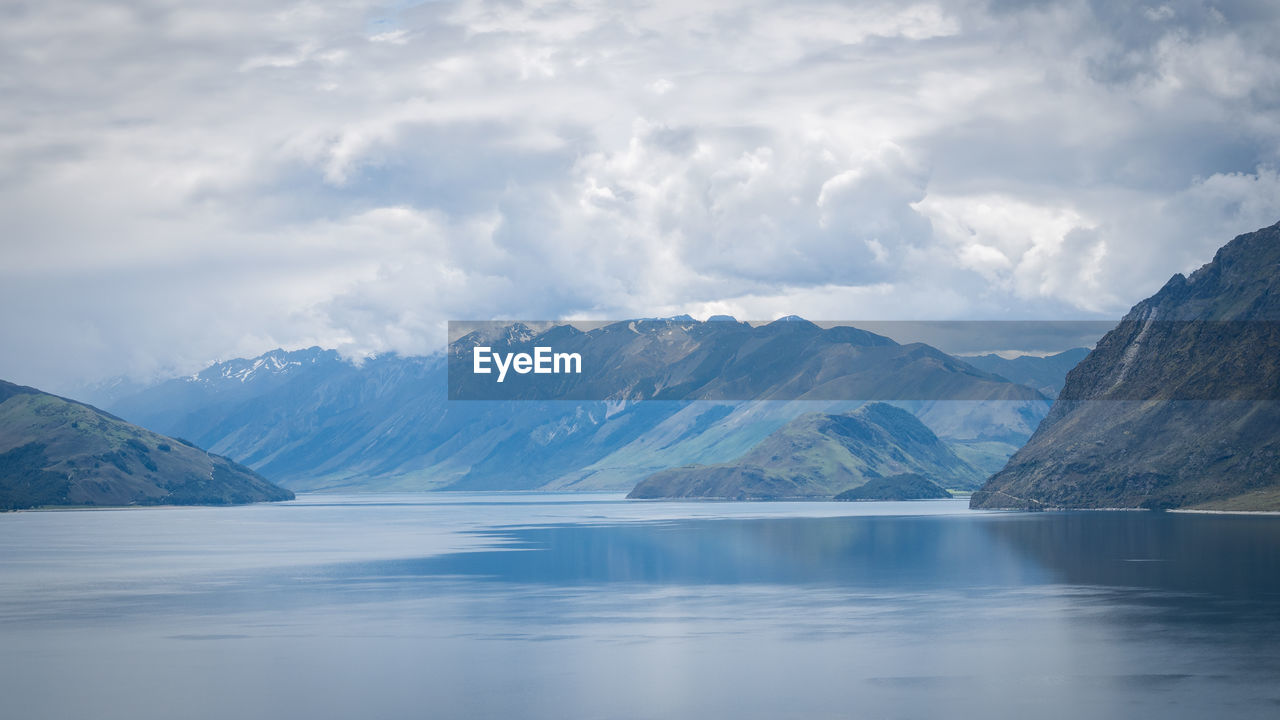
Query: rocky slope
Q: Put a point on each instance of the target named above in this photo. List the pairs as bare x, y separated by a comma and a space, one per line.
1178, 406
55, 451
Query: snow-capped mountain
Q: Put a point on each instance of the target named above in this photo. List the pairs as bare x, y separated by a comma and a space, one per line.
273, 364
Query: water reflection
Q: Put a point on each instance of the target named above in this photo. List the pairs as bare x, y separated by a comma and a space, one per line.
1224, 556
882, 553
544, 608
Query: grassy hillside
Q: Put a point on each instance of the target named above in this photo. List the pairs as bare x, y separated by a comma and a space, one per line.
55, 451
819, 455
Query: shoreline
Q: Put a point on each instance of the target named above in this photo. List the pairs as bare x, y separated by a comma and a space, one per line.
1225, 512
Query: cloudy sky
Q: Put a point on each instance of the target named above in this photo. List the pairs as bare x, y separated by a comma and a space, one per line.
187, 181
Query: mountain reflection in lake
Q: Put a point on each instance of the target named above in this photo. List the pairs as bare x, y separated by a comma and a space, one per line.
502, 605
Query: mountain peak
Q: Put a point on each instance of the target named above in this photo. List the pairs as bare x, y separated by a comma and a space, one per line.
517, 333
271, 363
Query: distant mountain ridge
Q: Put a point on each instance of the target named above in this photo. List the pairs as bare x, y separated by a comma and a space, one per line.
683, 359
1178, 406
1045, 374
318, 422
55, 451
219, 387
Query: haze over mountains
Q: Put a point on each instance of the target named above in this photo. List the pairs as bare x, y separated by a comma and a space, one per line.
1178, 406
670, 393
1045, 374
55, 451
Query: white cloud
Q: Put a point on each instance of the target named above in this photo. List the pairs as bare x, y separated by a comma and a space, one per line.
192, 181
391, 37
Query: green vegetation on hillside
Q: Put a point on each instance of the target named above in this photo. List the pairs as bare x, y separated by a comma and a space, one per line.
819, 455
55, 451
908, 486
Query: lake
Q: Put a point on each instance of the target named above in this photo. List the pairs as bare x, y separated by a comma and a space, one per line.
590, 606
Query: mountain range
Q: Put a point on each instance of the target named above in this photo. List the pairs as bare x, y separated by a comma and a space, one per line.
659, 394
1178, 406
1046, 374
725, 360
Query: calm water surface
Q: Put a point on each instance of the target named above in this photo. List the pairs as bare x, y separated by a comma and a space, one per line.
567, 606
